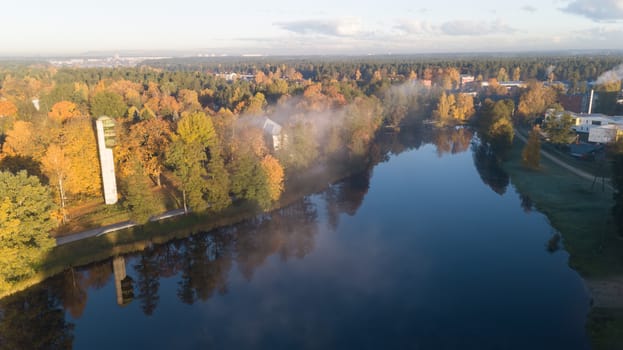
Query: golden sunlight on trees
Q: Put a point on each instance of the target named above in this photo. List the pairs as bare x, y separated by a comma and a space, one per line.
80, 147
7, 109
21, 141
536, 100
531, 154
275, 175
55, 166
63, 110
25, 219
149, 141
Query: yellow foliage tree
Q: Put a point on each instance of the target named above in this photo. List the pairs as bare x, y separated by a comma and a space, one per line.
274, 175
22, 140
56, 166
80, 147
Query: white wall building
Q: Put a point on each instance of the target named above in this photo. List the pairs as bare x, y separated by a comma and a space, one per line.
105, 142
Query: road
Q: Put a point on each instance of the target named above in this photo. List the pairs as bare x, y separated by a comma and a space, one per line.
100, 231
576, 171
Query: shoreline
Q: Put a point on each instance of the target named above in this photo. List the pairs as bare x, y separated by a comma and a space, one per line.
137, 238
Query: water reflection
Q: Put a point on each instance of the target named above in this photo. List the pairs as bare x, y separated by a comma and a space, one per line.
35, 320
489, 169
201, 266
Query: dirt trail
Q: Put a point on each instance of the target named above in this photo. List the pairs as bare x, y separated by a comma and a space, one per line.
576, 171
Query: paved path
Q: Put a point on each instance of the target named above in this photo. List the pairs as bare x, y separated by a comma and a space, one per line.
571, 168
112, 228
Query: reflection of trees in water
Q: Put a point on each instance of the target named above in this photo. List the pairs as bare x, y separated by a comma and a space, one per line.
205, 264
204, 261
526, 202
489, 169
148, 281
452, 140
34, 319
289, 231
346, 196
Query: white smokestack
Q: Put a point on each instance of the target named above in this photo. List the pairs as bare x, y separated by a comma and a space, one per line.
590, 102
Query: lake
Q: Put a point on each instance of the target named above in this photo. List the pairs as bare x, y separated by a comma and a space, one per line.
430, 248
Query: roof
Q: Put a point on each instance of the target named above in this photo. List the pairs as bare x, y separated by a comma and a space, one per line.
271, 127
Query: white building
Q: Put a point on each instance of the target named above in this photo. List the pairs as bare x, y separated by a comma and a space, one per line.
273, 132
605, 134
105, 142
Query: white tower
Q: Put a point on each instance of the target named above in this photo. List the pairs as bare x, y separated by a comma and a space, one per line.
105, 142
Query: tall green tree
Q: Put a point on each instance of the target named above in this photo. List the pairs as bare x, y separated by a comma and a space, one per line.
26, 218
109, 104
139, 200
559, 129
186, 160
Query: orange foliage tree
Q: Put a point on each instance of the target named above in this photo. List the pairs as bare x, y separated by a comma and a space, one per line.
63, 110
274, 176
7, 109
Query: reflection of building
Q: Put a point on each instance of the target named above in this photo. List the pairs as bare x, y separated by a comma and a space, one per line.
124, 285
105, 142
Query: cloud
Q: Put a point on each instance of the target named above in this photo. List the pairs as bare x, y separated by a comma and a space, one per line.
475, 28
343, 27
529, 8
597, 10
408, 26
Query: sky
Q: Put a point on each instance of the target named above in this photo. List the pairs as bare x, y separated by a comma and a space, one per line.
294, 27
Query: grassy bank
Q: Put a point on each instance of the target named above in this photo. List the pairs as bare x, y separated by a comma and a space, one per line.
579, 209
138, 238
581, 212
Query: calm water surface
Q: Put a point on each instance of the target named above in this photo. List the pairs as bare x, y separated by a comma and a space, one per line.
430, 249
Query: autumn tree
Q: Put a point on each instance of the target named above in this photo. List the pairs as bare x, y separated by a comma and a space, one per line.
26, 219
464, 107
148, 142
531, 154
63, 110
445, 105
109, 104
80, 147
256, 104
188, 101
7, 109
56, 166
517, 74
535, 100
25, 141
274, 175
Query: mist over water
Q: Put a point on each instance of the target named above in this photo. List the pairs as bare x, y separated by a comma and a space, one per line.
429, 247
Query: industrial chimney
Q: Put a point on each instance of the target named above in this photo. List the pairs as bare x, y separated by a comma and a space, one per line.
590, 102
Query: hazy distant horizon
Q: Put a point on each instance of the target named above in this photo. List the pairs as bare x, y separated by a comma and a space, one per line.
172, 54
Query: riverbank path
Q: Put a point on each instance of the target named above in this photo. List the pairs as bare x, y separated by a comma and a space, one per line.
558, 161
112, 228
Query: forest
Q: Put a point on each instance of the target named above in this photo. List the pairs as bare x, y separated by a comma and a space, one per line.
190, 134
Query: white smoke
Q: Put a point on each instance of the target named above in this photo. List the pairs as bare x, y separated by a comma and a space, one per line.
550, 69
613, 75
